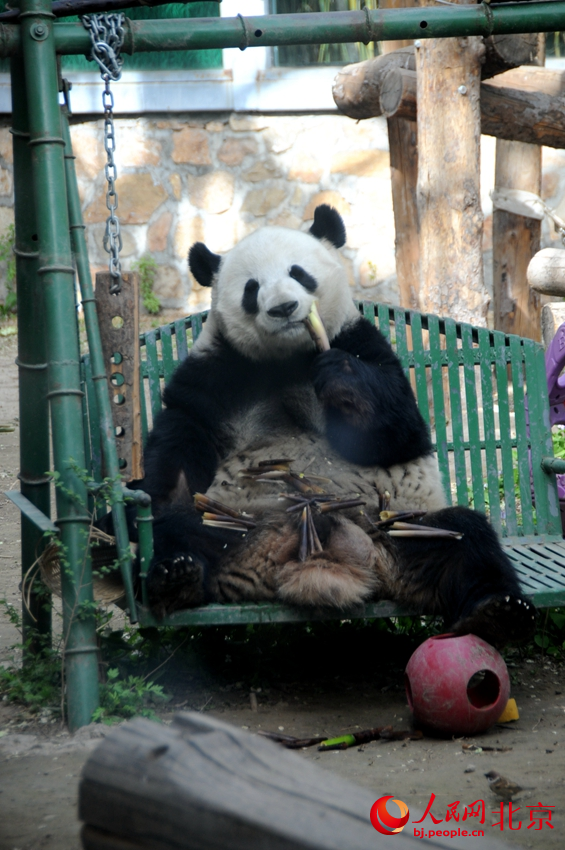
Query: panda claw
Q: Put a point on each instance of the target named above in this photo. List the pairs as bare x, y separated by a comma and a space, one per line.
499, 620
173, 575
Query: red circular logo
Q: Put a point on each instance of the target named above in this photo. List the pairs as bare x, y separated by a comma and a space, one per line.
383, 821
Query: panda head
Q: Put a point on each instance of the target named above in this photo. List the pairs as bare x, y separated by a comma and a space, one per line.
263, 288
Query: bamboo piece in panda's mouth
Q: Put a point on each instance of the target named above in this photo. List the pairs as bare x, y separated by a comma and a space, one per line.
316, 329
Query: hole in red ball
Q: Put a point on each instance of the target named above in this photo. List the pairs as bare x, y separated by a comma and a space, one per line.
483, 688
408, 692
443, 637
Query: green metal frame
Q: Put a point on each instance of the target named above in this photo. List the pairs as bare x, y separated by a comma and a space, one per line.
49, 242
311, 28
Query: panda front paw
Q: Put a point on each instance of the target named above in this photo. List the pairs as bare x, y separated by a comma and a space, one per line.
340, 384
176, 582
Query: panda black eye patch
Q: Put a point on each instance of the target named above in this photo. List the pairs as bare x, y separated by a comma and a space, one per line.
306, 280
249, 300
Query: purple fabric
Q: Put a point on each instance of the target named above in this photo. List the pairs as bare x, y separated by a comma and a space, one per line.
554, 364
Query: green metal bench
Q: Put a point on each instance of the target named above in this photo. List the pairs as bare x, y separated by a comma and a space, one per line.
494, 449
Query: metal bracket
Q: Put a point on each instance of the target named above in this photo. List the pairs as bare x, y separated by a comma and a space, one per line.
37, 517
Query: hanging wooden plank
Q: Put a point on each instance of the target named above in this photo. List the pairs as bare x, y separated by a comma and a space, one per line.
118, 316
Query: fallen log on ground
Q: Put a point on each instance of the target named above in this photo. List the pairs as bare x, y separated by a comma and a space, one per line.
201, 784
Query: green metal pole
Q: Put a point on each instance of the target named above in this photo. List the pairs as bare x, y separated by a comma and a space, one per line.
32, 366
145, 530
99, 377
323, 27
57, 279
313, 28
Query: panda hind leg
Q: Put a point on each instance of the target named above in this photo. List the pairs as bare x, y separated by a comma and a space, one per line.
175, 583
185, 556
499, 620
344, 574
470, 582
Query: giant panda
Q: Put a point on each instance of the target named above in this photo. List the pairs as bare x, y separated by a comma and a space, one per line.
278, 436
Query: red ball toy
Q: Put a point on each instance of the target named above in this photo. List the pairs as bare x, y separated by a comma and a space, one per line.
456, 685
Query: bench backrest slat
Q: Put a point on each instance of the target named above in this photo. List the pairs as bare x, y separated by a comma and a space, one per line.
456, 412
522, 434
169, 364
476, 492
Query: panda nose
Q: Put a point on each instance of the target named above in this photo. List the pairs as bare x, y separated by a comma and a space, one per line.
283, 311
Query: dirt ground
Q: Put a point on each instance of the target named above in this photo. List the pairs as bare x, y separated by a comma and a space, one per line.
320, 687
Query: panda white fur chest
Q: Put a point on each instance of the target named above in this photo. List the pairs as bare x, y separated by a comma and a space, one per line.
254, 390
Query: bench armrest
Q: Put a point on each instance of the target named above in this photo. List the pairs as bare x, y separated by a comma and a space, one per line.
553, 464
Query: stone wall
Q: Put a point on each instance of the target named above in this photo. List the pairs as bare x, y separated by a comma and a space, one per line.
217, 177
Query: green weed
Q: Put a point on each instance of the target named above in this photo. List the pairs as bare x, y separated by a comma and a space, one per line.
146, 267
37, 684
558, 437
129, 697
550, 634
7, 256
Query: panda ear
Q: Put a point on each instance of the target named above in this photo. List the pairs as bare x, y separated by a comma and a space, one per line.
328, 224
203, 263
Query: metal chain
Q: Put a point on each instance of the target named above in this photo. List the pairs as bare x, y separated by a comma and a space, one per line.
107, 36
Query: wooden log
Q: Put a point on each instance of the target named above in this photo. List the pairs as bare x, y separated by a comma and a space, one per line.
449, 205
516, 238
201, 784
118, 316
503, 52
526, 104
356, 88
403, 147
546, 272
399, 94
552, 316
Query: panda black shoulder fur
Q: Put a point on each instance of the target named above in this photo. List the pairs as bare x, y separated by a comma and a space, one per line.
344, 422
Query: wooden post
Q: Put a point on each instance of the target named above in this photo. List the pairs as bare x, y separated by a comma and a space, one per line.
403, 146
391, 46
515, 238
449, 207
